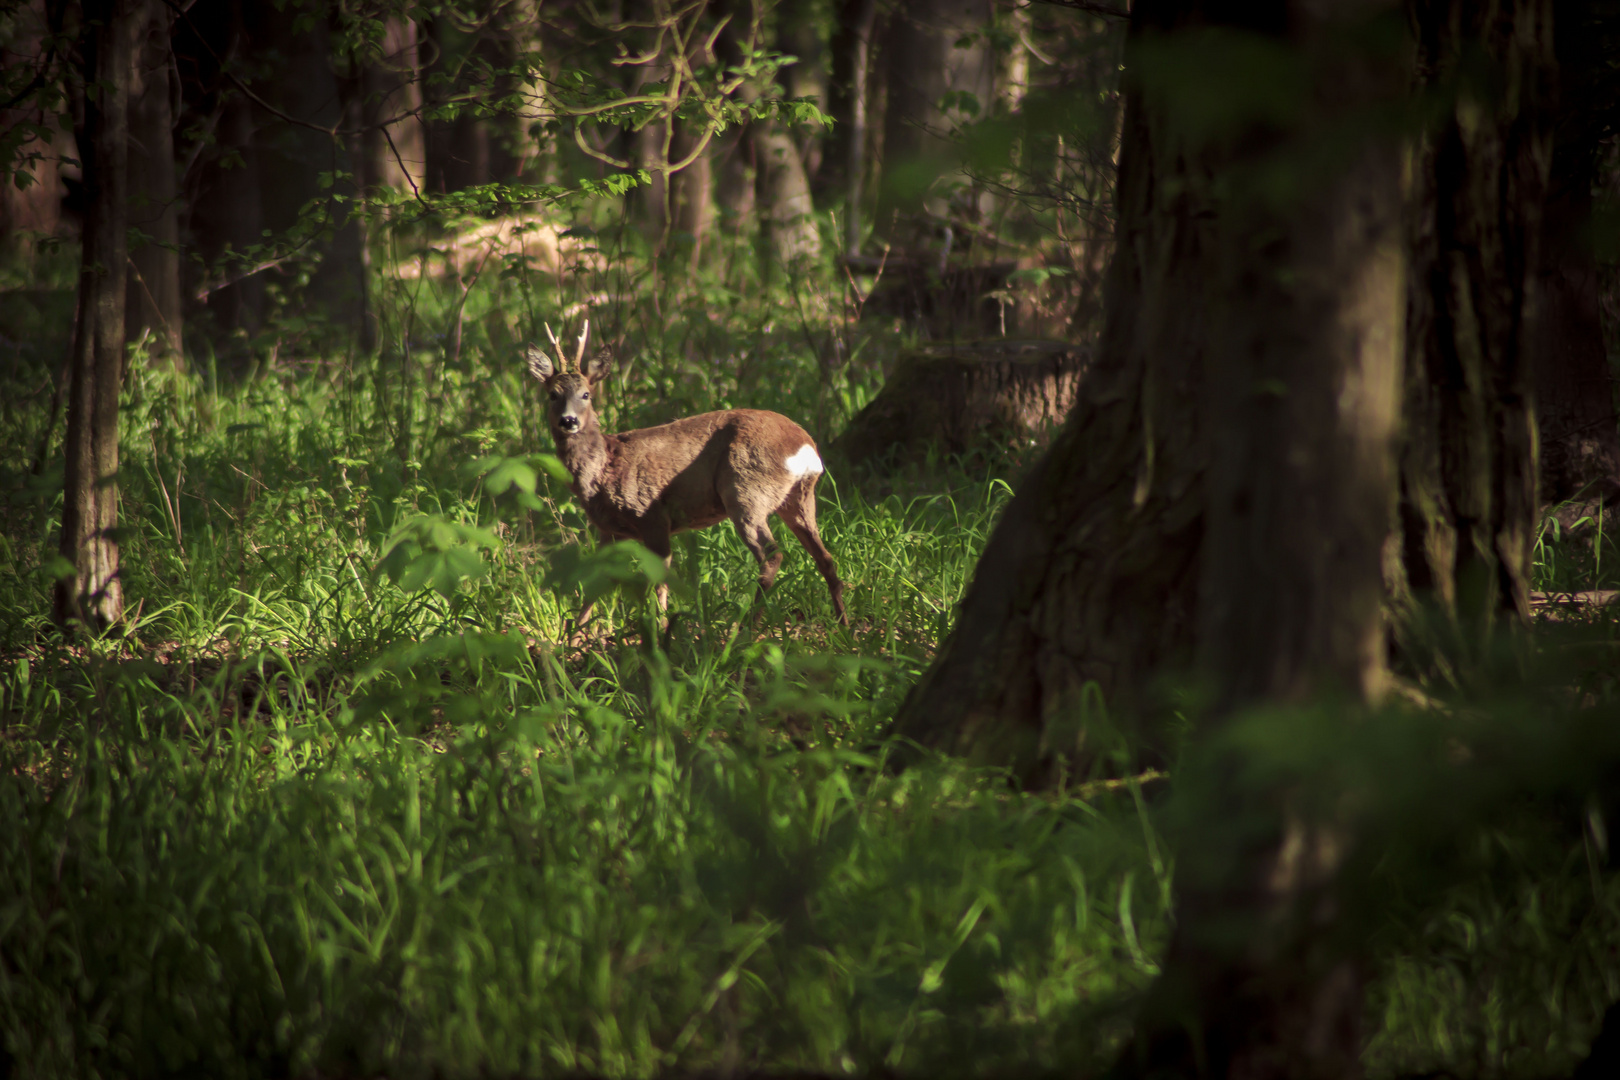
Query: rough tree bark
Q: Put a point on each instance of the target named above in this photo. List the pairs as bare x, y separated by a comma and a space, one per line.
1302, 393
92, 596
1091, 576
789, 215
1469, 504
154, 299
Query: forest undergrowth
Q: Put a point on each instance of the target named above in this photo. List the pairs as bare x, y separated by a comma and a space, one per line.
356, 795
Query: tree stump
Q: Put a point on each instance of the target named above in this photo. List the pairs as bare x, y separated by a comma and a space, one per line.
950, 396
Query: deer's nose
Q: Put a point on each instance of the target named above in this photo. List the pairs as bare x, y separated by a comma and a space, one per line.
568, 422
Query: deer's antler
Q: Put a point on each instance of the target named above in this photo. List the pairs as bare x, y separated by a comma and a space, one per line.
579, 353
557, 348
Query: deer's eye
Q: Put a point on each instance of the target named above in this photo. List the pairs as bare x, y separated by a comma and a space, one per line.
585, 397
556, 396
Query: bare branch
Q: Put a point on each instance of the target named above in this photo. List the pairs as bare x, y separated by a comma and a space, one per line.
1090, 7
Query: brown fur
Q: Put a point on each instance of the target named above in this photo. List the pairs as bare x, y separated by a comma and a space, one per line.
688, 474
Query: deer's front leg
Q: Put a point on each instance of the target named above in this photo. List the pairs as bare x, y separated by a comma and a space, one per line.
655, 538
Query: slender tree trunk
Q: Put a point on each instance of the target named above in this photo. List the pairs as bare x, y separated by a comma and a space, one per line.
154, 299
691, 194
844, 170
930, 51
790, 223
393, 154
93, 595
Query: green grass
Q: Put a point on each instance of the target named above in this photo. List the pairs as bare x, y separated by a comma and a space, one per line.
303, 820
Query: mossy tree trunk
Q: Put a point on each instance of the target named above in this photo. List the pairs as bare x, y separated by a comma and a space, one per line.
92, 596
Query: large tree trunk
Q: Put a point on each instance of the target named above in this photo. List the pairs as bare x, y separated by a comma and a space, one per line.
1091, 575
790, 224
92, 596
154, 298
1302, 384
1468, 466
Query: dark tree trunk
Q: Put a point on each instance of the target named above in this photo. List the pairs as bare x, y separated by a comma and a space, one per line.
1092, 574
468, 150
1302, 396
302, 84
228, 214
928, 51
92, 596
1091, 577
36, 207
154, 298
1575, 414
1575, 407
1468, 465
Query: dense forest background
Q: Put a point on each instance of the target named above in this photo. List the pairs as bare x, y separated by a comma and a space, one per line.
1219, 411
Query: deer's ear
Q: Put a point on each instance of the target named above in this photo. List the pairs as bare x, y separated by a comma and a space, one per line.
599, 366
540, 365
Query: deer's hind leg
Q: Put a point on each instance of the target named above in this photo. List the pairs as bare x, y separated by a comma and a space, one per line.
798, 511
750, 521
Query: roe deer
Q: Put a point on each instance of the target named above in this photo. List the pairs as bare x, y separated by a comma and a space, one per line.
742, 464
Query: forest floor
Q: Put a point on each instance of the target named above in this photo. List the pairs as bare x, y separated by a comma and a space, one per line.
355, 795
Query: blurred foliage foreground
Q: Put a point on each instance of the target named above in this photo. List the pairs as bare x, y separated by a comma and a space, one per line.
355, 795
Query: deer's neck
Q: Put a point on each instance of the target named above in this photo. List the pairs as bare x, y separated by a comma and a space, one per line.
586, 455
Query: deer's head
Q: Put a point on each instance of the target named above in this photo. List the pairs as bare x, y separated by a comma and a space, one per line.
568, 407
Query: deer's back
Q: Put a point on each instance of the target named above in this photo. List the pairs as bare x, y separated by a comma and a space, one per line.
686, 463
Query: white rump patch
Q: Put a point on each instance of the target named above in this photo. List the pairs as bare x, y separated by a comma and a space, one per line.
804, 461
